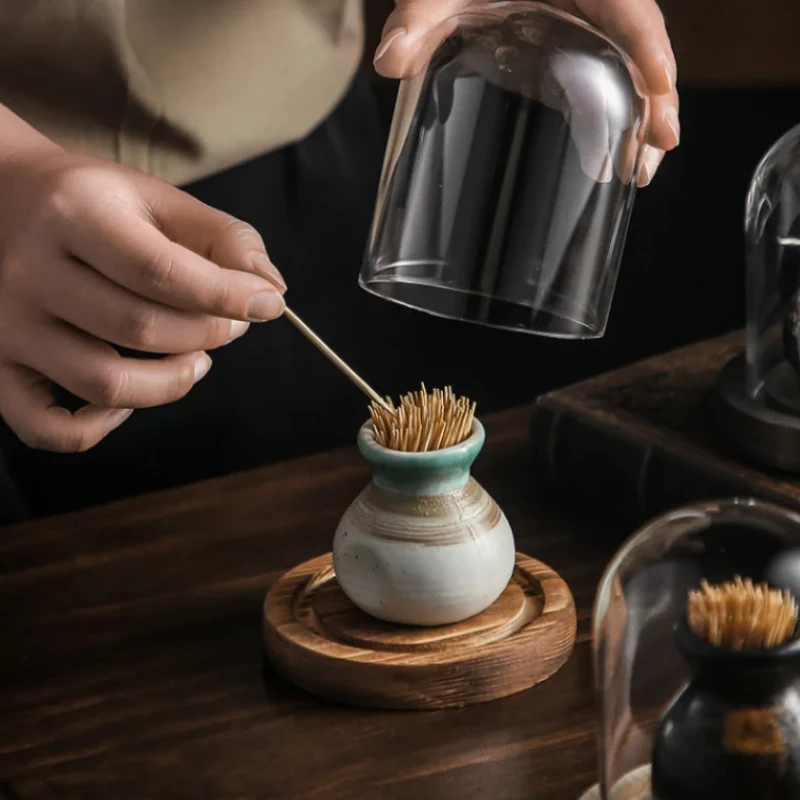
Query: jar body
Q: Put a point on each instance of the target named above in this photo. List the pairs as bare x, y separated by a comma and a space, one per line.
431, 559
640, 663
730, 736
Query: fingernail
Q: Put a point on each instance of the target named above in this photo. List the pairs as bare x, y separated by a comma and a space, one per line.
265, 306
672, 121
650, 161
238, 328
201, 367
116, 418
387, 42
264, 267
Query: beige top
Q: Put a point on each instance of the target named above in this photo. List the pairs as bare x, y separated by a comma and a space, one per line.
177, 88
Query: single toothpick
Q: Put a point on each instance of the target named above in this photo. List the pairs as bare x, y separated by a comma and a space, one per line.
423, 422
739, 615
339, 363
335, 360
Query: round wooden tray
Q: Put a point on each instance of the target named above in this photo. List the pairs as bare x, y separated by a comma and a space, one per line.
635, 785
320, 641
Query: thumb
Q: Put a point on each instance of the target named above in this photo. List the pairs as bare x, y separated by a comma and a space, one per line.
221, 238
412, 33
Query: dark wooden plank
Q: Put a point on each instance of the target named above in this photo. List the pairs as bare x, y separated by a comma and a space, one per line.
734, 42
653, 423
132, 660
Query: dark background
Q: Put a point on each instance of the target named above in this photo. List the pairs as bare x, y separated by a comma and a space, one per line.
271, 395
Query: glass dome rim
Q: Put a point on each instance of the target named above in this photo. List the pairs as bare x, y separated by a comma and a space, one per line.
372, 287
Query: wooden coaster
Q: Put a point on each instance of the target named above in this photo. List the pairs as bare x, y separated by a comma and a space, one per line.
635, 785
321, 642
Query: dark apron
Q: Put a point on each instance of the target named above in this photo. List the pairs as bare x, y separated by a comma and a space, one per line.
271, 395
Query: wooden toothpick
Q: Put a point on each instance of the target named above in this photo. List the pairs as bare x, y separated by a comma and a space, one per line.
423, 421
338, 362
345, 368
741, 615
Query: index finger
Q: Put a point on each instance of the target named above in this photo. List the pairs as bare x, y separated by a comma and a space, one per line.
220, 238
637, 26
134, 254
407, 41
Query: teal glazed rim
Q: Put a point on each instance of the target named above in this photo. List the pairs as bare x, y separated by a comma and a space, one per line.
429, 473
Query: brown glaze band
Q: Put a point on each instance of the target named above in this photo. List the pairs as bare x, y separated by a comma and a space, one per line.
474, 505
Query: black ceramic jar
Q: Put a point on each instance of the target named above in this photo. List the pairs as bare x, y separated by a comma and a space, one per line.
733, 733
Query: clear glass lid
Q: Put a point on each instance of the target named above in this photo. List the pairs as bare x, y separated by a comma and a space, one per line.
656, 735
772, 237
509, 176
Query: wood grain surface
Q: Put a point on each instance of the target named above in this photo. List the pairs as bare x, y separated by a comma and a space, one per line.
131, 665
320, 641
654, 422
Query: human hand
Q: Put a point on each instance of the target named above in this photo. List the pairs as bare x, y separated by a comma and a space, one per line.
635, 25
93, 255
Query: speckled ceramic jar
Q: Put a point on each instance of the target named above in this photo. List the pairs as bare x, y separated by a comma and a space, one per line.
424, 543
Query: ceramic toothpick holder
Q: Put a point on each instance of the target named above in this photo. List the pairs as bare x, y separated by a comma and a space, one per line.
424, 543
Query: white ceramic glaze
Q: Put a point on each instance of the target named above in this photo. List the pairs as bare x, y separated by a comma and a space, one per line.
424, 543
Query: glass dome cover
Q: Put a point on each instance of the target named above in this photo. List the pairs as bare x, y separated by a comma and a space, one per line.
643, 666
756, 402
509, 175
772, 238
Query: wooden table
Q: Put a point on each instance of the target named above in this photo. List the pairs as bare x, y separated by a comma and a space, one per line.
132, 667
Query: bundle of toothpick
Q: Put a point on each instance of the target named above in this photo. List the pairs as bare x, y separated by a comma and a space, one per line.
742, 616
423, 421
